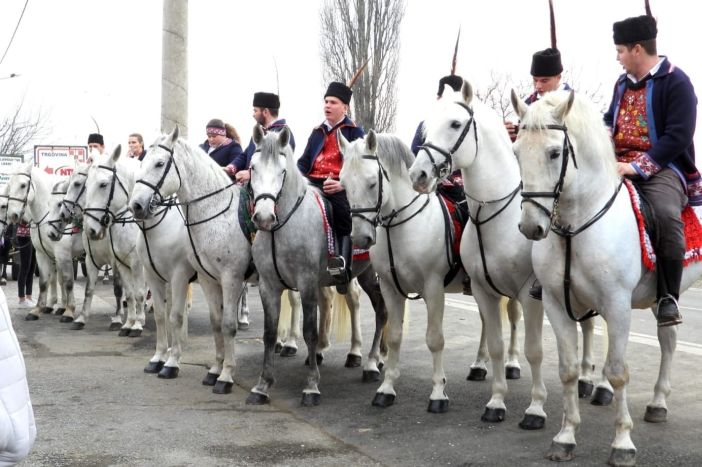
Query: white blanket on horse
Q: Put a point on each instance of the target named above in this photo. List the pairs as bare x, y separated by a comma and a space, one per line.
17, 428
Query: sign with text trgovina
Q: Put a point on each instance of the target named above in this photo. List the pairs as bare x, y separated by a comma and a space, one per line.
59, 160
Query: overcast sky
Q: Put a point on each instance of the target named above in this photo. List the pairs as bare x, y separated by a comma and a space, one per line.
102, 58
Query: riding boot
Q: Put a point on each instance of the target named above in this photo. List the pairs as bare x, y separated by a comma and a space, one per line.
669, 272
340, 266
535, 290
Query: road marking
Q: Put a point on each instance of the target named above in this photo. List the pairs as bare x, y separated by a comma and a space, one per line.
639, 338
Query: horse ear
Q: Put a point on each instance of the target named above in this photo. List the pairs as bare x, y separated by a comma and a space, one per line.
284, 137
175, 134
467, 91
116, 153
517, 104
562, 109
257, 134
371, 142
28, 167
343, 142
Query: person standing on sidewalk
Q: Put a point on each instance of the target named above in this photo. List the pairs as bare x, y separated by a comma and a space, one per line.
28, 263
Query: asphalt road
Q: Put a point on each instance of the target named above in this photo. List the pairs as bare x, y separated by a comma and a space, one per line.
94, 406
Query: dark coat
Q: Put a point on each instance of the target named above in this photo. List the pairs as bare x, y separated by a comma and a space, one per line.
315, 143
225, 154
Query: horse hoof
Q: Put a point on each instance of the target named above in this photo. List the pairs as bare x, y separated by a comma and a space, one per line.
278, 347
561, 452
493, 415
31, 317
222, 387
123, 332
256, 398
154, 367
310, 399
210, 379
383, 400
512, 372
352, 361
290, 352
532, 422
438, 406
46, 310
370, 376
66, 319
60, 311
168, 372
622, 457
320, 359
77, 326
656, 414
602, 397
115, 326
585, 389
241, 326
477, 374
134, 333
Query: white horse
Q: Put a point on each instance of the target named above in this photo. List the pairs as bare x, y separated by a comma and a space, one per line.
219, 250
67, 212
582, 203
106, 217
462, 132
388, 215
29, 192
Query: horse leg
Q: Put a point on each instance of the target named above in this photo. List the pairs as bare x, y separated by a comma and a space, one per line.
534, 416
657, 409
603, 393
131, 327
213, 294
232, 288
395, 304
326, 296
138, 296
91, 278
289, 348
353, 296
434, 299
489, 307
478, 369
158, 289
45, 277
309, 297
512, 367
53, 297
61, 303
177, 324
563, 444
623, 451
369, 283
270, 298
587, 366
117, 287
243, 310
65, 270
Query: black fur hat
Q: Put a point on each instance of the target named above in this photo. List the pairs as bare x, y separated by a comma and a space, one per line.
635, 29
96, 138
340, 91
266, 100
455, 81
546, 62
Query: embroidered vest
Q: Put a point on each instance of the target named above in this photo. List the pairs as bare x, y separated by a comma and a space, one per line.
329, 160
632, 138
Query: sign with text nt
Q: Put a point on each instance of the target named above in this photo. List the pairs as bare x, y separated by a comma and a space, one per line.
59, 160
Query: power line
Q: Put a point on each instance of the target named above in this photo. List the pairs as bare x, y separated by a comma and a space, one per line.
14, 32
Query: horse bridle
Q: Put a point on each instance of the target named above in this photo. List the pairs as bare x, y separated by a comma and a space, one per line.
359, 212
71, 205
444, 169
566, 151
107, 215
26, 195
157, 187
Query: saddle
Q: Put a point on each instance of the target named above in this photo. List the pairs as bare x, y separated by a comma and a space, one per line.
648, 229
456, 220
328, 218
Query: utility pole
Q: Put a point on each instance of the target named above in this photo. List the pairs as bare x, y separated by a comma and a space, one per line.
174, 67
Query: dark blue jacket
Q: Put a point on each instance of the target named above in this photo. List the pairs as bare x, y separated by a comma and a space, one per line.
225, 154
244, 161
315, 143
671, 111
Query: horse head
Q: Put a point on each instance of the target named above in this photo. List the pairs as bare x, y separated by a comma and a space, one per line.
72, 204
106, 193
158, 177
56, 204
21, 192
450, 139
3, 209
271, 164
362, 178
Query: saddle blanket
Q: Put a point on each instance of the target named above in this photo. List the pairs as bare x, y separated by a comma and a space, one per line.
692, 229
457, 226
357, 255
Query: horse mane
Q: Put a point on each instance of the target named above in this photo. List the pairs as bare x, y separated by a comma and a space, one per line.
393, 153
61, 185
584, 122
194, 151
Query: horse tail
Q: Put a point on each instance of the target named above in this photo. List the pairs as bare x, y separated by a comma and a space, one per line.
285, 318
189, 299
341, 313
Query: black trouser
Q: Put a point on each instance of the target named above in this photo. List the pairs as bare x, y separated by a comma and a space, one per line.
341, 211
664, 191
28, 262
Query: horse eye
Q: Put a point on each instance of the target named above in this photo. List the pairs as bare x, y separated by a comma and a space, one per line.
554, 154
372, 185
160, 164
23, 185
76, 184
455, 125
103, 185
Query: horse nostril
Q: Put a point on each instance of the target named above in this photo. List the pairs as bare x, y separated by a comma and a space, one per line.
255, 217
136, 207
540, 231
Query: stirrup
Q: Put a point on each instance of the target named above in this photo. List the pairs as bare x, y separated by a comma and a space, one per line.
336, 267
670, 319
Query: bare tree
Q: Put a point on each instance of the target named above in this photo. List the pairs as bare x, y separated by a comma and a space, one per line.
353, 31
18, 131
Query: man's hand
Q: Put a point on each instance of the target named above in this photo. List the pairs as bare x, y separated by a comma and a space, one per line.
332, 186
512, 130
242, 176
624, 169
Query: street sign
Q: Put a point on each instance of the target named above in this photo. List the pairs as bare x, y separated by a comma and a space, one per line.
7, 161
59, 160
